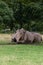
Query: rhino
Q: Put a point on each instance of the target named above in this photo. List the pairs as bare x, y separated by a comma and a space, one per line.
24, 36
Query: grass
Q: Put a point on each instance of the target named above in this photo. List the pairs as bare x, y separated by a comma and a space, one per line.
19, 54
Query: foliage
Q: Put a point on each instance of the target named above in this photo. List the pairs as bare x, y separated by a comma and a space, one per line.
6, 13
16, 14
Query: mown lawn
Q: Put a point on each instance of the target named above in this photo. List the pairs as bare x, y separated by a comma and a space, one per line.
21, 54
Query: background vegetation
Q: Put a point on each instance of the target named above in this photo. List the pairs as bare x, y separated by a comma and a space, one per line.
16, 14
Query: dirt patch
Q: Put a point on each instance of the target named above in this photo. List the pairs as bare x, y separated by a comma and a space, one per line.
5, 37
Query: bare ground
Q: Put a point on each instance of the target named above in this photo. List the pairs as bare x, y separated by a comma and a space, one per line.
5, 37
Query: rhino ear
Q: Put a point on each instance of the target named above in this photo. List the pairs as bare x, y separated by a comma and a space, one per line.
18, 30
23, 30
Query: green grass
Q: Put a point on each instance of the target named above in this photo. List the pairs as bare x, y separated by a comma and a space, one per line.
21, 54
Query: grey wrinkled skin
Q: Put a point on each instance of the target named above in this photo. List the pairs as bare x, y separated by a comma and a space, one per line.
16, 36
37, 37
23, 36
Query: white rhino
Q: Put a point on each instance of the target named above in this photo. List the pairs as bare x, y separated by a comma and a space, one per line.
23, 36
